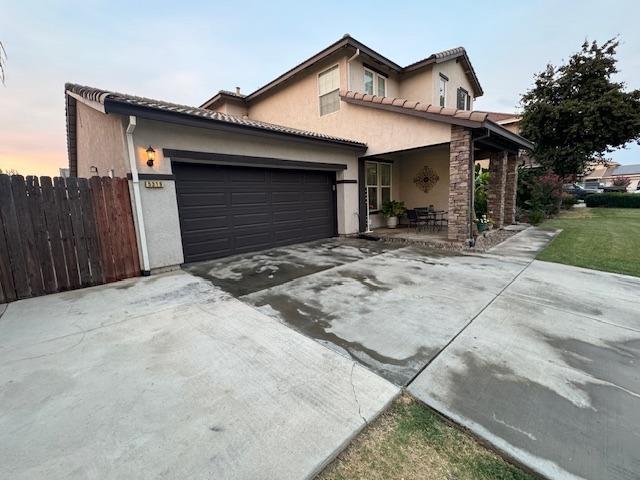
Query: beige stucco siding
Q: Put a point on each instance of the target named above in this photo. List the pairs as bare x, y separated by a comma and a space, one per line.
160, 205
457, 78
297, 106
411, 164
357, 80
100, 142
418, 86
230, 108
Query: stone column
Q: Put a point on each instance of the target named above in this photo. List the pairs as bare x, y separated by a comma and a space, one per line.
460, 156
497, 181
510, 189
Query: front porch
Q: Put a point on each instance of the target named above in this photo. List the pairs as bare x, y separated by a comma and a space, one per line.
441, 178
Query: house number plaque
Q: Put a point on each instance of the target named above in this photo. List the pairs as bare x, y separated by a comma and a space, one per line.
153, 184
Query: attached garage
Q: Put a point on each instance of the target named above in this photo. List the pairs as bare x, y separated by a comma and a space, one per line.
226, 209
205, 184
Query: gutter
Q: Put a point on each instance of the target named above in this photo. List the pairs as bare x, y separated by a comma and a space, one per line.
355, 55
135, 180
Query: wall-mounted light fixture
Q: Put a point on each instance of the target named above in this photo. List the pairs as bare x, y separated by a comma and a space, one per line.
151, 156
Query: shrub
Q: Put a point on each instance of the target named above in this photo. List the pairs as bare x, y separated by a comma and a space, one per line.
568, 201
621, 182
481, 186
535, 216
393, 208
614, 200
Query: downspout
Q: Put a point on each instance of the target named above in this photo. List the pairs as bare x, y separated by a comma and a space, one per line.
135, 180
472, 196
355, 55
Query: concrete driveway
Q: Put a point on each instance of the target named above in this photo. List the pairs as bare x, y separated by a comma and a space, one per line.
539, 359
169, 377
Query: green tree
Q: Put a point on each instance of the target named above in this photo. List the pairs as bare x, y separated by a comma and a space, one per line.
576, 112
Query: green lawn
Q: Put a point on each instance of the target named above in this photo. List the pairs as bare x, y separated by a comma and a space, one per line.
599, 238
410, 442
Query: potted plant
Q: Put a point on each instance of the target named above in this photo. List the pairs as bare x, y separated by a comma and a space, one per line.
391, 210
483, 223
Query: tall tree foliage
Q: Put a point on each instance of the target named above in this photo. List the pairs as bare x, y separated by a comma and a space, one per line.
576, 112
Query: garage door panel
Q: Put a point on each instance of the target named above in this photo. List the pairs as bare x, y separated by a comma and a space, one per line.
226, 210
247, 175
209, 199
249, 198
208, 222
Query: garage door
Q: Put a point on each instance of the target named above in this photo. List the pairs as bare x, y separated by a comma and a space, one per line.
226, 209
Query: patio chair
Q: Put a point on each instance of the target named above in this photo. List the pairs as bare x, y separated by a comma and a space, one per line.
426, 217
415, 220
443, 221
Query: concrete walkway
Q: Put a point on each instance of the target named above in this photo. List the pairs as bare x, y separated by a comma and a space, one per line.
549, 372
169, 377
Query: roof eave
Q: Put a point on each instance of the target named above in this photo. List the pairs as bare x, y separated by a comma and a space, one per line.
124, 108
330, 50
449, 119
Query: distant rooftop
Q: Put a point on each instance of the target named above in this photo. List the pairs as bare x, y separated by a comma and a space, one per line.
627, 170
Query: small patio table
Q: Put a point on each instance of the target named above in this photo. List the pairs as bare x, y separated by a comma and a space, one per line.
435, 218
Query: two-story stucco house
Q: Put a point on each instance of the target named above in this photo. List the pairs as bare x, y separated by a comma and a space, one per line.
314, 153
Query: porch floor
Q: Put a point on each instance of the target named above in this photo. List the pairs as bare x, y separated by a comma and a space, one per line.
435, 238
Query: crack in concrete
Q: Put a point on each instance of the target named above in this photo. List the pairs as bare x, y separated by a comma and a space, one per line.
355, 395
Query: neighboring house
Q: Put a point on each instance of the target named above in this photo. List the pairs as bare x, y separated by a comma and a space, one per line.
604, 175
311, 154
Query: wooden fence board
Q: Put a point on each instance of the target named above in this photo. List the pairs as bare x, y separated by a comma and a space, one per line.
89, 221
36, 210
27, 236
124, 253
79, 238
55, 234
102, 225
130, 231
7, 287
64, 216
12, 236
64, 234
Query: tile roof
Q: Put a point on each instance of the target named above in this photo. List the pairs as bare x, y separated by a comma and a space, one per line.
467, 118
474, 116
348, 41
502, 116
102, 96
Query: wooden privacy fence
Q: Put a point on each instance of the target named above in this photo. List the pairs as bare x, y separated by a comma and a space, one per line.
64, 234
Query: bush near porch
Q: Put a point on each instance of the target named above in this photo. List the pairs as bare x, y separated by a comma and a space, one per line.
539, 194
606, 239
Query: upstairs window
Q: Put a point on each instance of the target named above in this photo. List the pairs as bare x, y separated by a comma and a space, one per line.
442, 90
329, 90
464, 100
374, 83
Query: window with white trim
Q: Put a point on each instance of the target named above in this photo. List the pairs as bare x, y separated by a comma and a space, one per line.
329, 90
374, 83
442, 90
378, 179
464, 100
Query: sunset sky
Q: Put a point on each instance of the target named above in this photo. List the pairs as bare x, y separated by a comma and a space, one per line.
185, 51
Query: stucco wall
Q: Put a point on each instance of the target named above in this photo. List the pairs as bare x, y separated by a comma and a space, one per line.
457, 78
418, 86
232, 109
357, 80
410, 164
100, 142
160, 207
297, 106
